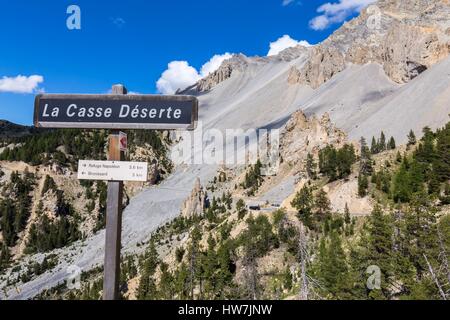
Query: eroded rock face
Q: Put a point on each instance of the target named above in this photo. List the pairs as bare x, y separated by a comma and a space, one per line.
302, 136
236, 63
196, 203
323, 64
406, 37
290, 54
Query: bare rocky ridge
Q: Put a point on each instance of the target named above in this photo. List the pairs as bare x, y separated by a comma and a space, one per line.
236, 63
239, 63
405, 37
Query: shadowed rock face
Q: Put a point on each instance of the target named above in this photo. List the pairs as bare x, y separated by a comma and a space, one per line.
405, 37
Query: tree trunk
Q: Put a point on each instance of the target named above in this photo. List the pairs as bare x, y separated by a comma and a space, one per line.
435, 279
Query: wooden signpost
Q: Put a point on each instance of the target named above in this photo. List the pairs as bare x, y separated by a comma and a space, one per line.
116, 111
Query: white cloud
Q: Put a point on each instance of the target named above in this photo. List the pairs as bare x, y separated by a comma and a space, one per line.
21, 84
283, 43
287, 2
337, 12
118, 22
320, 23
214, 63
180, 75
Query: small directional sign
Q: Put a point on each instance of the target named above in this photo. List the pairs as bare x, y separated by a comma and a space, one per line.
116, 111
112, 170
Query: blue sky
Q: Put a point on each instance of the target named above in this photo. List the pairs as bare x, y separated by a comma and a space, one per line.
132, 42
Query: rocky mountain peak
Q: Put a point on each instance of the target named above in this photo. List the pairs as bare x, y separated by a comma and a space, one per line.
290, 54
406, 37
236, 63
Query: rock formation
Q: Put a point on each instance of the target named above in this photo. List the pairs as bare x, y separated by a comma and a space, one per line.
236, 63
405, 37
302, 136
195, 204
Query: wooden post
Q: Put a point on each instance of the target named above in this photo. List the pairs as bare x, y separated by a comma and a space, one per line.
113, 219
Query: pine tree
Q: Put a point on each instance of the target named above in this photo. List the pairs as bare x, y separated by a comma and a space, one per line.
347, 217
363, 185
209, 265
441, 164
434, 185
322, 205
426, 152
257, 240
166, 284
382, 142
411, 139
311, 167
328, 162
331, 269
346, 157
304, 203
287, 279
240, 208
420, 233
336, 164
374, 146
401, 188
226, 268
365, 158
147, 287
377, 251
7, 221
391, 144
4, 256
194, 259
181, 282
416, 176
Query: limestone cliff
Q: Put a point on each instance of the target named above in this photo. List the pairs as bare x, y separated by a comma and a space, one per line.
302, 136
405, 37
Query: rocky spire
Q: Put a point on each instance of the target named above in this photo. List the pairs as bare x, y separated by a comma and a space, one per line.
195, 204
